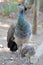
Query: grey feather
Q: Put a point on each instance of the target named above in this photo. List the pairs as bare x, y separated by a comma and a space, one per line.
10, 33
28, 50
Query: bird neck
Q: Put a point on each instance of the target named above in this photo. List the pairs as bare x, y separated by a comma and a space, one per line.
21, 14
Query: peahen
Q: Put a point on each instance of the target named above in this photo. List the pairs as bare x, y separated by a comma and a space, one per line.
23, 31
10, 38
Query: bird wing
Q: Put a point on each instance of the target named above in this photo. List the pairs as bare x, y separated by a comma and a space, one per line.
10, 32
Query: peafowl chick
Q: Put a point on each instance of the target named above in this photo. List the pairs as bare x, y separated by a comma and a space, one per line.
27, 51
12, 45
23, 31
10, 38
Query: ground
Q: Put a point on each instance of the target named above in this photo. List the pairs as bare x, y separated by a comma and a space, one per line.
6, 56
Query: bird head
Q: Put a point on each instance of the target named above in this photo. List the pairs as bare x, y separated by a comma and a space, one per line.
26, 4
23, 8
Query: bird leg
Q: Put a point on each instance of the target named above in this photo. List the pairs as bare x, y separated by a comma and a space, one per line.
19, 51
30, 61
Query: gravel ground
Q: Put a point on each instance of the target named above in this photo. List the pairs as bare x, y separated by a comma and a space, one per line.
9, 58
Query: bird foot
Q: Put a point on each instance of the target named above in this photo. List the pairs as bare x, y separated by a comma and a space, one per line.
30, 62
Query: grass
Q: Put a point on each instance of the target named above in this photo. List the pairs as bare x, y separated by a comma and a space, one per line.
11, 8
